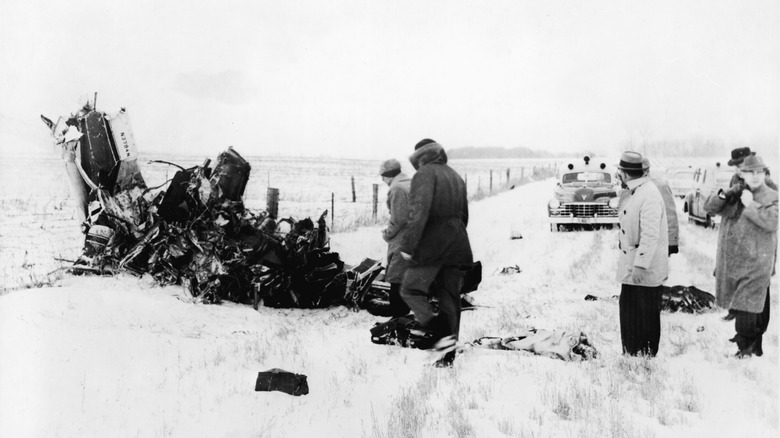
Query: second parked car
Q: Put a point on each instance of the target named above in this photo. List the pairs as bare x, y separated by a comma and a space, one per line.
706, 181
680, 180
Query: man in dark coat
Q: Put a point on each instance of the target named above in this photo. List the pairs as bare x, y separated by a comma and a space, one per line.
672, 225
437, 244
398, 204
733, 208
747, 252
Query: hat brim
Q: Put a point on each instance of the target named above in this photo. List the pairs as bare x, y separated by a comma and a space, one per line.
631, 168
738, 161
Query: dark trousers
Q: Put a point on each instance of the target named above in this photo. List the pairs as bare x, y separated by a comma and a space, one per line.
443, 282
750, 329
397, 305
640, 319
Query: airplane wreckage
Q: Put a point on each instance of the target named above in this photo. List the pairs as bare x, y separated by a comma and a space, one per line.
197, 232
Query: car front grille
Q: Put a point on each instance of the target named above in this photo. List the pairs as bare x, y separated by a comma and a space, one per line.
583, 209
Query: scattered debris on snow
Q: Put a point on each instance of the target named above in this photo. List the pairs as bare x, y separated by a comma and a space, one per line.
277, 379
686, 299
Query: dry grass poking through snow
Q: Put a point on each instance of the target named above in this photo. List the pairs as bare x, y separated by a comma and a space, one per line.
120, 357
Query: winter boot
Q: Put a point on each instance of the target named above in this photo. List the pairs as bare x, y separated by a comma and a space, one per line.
446, 361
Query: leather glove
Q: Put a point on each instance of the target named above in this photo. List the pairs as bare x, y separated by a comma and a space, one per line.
673, 249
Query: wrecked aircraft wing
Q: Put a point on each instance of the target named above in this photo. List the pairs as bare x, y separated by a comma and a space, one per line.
197, 233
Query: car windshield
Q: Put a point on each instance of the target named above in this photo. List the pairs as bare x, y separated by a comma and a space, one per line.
587, 178
681, 174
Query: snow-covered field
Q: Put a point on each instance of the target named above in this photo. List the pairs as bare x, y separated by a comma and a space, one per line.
122, 357
38, 234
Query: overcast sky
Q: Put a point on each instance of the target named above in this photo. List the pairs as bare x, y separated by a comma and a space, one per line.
368, 79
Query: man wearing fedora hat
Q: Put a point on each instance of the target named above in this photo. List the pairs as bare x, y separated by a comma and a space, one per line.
393, 234
643, 263
747, 252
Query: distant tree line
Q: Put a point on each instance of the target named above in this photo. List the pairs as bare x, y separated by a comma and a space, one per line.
696, 146
500, 152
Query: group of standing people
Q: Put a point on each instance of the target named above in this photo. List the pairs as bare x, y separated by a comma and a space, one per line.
429, 248
428, 245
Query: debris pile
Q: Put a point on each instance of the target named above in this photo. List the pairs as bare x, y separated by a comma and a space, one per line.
685, 299
197, 233
376, 298
556, 344
404, 331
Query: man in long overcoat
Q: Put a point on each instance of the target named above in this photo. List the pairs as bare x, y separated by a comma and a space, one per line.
747, 253
437, 244
398, 204
643, 263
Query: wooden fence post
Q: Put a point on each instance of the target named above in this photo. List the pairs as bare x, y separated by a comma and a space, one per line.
376, 200
354, 199
272, 202
507, 177
490, 189
332, 208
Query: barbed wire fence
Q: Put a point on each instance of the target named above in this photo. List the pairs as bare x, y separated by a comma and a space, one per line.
40, 235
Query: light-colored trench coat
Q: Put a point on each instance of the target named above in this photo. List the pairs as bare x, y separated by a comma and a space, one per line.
644, 237
672, 223
398, 203
747, 251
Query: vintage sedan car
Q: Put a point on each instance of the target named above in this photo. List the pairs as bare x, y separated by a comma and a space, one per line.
680, 180
586, 195
706, 181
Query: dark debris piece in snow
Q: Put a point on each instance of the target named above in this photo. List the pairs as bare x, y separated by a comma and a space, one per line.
686, 299
376, 299
277, 379
402, 331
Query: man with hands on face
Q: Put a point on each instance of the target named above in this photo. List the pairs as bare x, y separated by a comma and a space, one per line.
643, 263
747, 252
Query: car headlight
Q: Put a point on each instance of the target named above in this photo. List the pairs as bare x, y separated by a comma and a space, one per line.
613, 203
554, 203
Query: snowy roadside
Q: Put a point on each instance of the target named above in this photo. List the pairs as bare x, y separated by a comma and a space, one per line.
122, 357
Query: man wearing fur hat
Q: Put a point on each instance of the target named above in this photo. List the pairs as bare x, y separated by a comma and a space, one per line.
747, 251
398, 204
643, 263
437, 245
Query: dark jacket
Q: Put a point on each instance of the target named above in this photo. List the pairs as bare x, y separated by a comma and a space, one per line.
398, 204
672, 225
747, 251
438, 212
